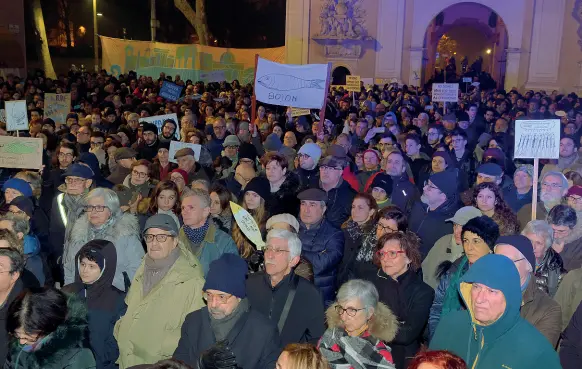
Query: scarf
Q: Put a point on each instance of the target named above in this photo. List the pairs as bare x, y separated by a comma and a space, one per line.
366, 252
101, 231
452, 301
343, 351
73, 206
155, 270
222, 327
196, 235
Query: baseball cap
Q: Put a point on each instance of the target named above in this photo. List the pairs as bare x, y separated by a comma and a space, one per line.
465, 214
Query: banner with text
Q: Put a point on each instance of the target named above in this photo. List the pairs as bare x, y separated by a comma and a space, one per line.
190, 61
353, 83
56, 107
298, 86
170, 91
445, 92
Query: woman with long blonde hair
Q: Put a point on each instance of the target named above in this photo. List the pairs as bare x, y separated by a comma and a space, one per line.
301, 356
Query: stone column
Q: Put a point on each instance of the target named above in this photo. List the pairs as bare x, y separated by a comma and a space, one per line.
513, 57
297, 32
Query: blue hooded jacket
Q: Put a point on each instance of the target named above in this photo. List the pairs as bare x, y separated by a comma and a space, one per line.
34, 262
510, 341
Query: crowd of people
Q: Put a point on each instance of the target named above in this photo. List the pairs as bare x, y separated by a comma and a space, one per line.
388, 235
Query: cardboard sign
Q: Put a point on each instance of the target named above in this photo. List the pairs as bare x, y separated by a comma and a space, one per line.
20, 152
56, 107
170, 91
214, 76
467, 79
537, 139
158, 120
353, 83
299, 86
3, 115
177, 145
297, 112
247, 225
16, 115
445, 92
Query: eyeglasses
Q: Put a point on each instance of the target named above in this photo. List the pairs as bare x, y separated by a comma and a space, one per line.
430, 185
575, 199
159, 237
553, 185
231, 147
274, 250
222, 298
139, 174
326, 168
389, 254
386, 228
65, 155
350, 311
97, 208
219, 128
69, 180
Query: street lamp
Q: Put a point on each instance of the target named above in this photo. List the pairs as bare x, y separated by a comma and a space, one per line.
488, 51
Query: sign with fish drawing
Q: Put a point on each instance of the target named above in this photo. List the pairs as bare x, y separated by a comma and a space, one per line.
16, 115
20, 152
537, 139
298, 86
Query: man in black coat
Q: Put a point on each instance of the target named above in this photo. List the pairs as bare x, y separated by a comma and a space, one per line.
11, 266
228, 329
291, 302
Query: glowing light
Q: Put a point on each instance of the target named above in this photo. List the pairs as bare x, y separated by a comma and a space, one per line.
99, 14
488, 51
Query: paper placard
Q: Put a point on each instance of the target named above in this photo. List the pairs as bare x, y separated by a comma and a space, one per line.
445, 92
299, 86
353, 83
537, 139
57, 107
20, 152
16, 115
170, 91
158, 120
467, 79
247, 225
3, 115
214, 76
297, 112
177, 145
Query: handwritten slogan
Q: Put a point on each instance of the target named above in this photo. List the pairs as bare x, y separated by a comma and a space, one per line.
56, 107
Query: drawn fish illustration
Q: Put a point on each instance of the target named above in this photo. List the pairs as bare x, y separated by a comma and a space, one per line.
285, 82
17, 148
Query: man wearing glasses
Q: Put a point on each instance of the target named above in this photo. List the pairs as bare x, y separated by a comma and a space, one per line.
539, 309
167, 286
554, 186
219, 135
84, 139
339, 193
228, 332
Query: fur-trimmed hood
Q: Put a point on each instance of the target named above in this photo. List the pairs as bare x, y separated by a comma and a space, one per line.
126, 225
383, 325
58, 347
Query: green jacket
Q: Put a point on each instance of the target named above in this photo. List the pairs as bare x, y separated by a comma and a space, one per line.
510, 342
63, 348
216, 243
150, 329
569, 295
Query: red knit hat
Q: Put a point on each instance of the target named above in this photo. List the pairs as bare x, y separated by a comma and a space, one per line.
575, 190
182, 173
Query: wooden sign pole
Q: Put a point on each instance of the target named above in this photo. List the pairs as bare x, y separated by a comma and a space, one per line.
322, 111
254, 98
534, 197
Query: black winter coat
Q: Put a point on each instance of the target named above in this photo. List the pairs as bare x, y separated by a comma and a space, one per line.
4, 338
410, 300
305, 322
571, 346
339, 203
431, 225
323, 247
285, 199
254, 340
307, 178
404, 193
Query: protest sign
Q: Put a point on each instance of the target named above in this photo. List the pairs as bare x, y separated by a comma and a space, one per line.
56, 107
158, 120
20, 152
247, 225
299, 86
297, 112
214, 76
467, 79
177, 145
3, 115
537, 139
16, 115
445, 92
170, 91
353, 83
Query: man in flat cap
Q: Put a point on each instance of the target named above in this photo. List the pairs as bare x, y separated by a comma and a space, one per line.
187, 162
323, 243
124, 157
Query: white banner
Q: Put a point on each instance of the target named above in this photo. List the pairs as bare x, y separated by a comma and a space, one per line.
16, 115
537, 139
299, 86
158, 120
445, 92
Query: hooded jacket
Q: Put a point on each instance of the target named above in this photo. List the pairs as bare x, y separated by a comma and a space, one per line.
104, 303
63, 348
430, 226
508, 342
34, 262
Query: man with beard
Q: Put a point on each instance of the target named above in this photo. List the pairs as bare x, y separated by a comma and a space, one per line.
554, 186
169, 128
434, 136
228, 329
148, 149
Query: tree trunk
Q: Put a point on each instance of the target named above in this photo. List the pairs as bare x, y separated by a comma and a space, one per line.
196, 18
66, 18
47, 63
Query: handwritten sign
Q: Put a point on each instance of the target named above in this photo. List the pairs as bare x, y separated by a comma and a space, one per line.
56, 107
16, 116
170, 91
3, 115
537, 139
247, 225
214, 76
353, 83
297, 112
445, 92
177, 145
20, 152
158, 120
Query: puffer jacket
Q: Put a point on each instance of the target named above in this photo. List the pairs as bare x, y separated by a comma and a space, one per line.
123, 233
550, 272
339, 203
323, 247
285, 199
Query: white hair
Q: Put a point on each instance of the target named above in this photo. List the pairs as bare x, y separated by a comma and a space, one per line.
204, 196
540, 228
360, 289
293, 242
110, 199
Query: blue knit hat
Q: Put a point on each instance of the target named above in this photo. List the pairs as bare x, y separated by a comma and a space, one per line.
19, 185
227, 274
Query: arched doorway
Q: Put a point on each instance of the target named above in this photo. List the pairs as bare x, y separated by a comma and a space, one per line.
465, 40
338, 76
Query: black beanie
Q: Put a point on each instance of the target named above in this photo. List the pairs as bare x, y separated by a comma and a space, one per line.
522, 244
150, 127
485, 228
247, 151
261, 186
446, 181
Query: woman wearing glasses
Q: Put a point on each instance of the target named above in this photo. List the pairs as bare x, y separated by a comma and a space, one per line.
103, 219
401, 288
359, 327
478, 237
139, 181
